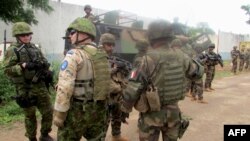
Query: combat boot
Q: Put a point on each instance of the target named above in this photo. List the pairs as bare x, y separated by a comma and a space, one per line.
207, 90
202, 101
32, 139
46, 137
212, 89
119, 138
193, 98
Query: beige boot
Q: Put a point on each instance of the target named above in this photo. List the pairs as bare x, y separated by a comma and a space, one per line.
119, 138
202, 101
207, 90
193, 98
212, 89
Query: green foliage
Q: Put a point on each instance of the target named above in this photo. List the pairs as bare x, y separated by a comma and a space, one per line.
247, 9
22, 10
10, 112
6, 88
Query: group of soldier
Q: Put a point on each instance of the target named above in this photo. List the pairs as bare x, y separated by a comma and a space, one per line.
243, 56
95, 87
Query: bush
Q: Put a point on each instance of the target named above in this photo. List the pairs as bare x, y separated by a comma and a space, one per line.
6, 88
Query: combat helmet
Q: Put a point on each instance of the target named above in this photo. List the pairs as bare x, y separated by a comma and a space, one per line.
83, 25
107, 38
142, 44
87, 6
212, 45
21, 28
159, 29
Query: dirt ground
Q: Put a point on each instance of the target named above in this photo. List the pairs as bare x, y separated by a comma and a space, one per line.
228, 104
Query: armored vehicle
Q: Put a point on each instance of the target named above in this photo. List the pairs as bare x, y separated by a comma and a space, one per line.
126, 29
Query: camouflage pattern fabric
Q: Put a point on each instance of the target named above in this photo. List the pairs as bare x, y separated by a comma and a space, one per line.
198, 89
89, 122
13, 70
85, 116
247, 59
43, 105
210, 72
168, 119
234, 57
242, 60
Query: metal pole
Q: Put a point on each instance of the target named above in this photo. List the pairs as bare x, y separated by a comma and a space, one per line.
4, 40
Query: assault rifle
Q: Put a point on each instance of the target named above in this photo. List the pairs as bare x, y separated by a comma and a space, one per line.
42, 68
216, 57
122, 65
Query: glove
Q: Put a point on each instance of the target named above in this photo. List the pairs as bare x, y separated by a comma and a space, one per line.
49, 76
59, 118
32, 66
124, 116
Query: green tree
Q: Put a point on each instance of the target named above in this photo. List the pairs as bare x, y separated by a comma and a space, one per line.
247, 9
22, 10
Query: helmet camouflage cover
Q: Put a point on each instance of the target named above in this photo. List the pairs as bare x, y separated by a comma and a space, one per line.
107, 38
21, 28
142, 44
83, 25
159, 29
87, 7
212, 45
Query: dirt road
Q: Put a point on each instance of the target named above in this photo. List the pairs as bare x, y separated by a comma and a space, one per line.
228, 104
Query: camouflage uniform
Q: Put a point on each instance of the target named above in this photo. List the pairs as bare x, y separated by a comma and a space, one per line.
168, 70
25, 86
119, 82
242, 59
81, 100
247, 59
210, 63
89, 16
234, 55
142, 47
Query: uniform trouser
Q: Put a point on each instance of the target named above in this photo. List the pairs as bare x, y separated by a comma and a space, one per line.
44, 106
198, 89
188, 85
235, 64
115, 115
247, 64
150, 128
84, 120
210, 72
242, 61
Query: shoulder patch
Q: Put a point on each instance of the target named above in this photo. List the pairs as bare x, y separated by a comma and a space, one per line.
64, 65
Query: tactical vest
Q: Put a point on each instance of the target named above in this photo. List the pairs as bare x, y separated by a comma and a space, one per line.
101, 74
212, 59
170, 78
28, 53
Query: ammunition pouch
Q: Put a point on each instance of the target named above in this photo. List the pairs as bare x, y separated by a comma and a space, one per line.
26, 101
153, 99
141, 104
183, 127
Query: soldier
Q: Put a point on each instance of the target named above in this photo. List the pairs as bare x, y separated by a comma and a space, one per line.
242, 58
234, 56
80, 107
119, 82
142, 47
247, 59
212, 59
163, 72
24, 63
88, 14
